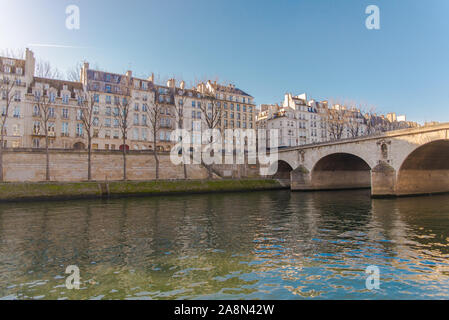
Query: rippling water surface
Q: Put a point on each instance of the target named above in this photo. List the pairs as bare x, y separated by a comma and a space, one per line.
268, 245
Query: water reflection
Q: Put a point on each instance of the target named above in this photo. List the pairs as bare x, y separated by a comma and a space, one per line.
269, 245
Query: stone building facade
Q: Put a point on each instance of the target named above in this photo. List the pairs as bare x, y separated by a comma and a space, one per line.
25, 128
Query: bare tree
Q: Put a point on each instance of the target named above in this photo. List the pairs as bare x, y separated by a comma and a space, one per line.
7, 86
211, 109
212, 114
12, 53
123, 117
354, 122
44, 69
45, 112
88, 113
335, 119
180, 101
154, 112
74, 73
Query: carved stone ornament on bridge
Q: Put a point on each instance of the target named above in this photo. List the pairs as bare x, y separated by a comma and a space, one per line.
301, 156
384, 147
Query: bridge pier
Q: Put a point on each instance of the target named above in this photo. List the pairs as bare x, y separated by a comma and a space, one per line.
383, 180
301, 179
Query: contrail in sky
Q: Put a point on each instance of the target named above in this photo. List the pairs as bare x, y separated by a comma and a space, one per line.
55, 46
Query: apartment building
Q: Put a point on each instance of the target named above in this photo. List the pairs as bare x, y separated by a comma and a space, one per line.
110, 93
300, 121
16, 74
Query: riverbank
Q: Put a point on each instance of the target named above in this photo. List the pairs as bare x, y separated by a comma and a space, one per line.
88, 190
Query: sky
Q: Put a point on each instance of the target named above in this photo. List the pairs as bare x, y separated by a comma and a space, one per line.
266, 48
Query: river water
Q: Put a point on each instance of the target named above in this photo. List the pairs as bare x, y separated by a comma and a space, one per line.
262, 245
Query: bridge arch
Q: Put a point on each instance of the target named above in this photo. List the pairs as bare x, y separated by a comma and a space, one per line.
282, 171
425, 170
340, 171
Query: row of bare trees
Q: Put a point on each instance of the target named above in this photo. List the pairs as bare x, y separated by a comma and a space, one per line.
357, 121
88, 108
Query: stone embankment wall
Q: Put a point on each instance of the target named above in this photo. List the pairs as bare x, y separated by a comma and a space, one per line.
71, 166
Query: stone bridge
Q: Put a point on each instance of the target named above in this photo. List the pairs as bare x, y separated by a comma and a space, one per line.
397, 163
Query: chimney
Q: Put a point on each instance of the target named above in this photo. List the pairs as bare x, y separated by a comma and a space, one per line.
171, 83
129, 74
84, 69
182, 85
151, 79
30, 65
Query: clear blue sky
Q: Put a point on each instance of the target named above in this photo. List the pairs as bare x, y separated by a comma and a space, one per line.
266, 48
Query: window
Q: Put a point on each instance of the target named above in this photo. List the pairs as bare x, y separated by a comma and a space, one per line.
144, 108
51, 129
17, 112
36, 127
19, 71
107, 122
7, 69
136, 107
65, 113
116, 123
35, 143
52, 97
79, 130
65, 99
108, 100
65, 129
136, 119
136, 134
51, 112
144, 134
95, 121
144, 120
